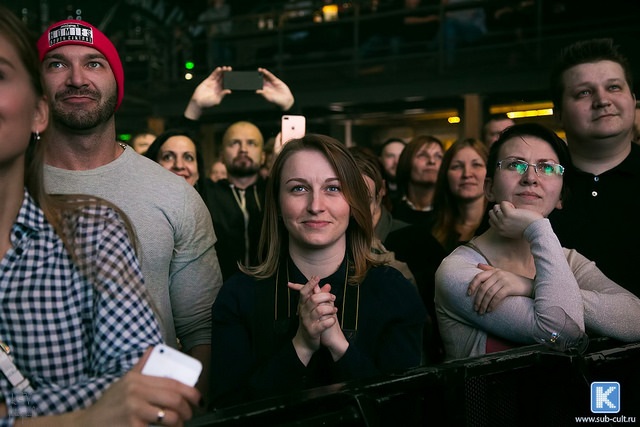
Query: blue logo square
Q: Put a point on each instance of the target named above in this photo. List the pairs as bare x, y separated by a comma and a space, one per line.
605, 397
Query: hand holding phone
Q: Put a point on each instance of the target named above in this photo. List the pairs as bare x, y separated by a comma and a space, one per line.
168, 362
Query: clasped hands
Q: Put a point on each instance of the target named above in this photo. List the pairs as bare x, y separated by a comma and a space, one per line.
318, 325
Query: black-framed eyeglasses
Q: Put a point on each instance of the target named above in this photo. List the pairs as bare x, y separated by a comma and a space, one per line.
541, 168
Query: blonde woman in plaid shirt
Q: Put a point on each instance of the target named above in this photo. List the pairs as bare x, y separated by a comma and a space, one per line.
74, 312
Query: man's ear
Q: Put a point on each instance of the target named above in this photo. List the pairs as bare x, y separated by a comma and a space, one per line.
488, 189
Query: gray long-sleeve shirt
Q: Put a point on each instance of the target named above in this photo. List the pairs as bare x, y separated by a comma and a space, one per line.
571, 293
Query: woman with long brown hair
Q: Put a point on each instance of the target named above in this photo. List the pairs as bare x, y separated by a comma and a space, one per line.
459, 206
317, 309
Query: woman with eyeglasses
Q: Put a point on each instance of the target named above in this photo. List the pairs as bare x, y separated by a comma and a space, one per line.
515, 284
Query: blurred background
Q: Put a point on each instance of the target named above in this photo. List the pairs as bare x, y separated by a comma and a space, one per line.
361, 71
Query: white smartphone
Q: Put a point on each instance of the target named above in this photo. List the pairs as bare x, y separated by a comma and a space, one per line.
168, 362
293, 127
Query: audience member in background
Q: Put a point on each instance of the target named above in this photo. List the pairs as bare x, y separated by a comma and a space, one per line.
461, 26
459, 206
141, 141
412, 28
389, 155
383, 222
84, 83
514, 22
74, 314
338, 314
416, 176
593, 97
515, 284
218, 25
177, 151
493, 128
217, 171
419, 26
269, 157
236, 203
459, 201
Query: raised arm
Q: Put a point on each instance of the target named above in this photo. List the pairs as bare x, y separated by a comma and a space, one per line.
210, 92
207, 94
276, 91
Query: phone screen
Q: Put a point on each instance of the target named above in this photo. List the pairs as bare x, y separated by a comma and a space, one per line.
242, 80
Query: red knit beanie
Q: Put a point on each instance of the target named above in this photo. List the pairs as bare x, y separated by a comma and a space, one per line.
74, 32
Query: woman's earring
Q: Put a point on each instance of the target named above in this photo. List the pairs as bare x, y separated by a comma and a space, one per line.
36, 136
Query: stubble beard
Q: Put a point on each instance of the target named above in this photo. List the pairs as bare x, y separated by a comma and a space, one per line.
243, 171
80, 119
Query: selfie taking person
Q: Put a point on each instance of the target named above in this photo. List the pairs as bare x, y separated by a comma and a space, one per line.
236, 203
316, 309
515, 284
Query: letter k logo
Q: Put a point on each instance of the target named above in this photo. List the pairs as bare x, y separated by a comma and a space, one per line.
605, 397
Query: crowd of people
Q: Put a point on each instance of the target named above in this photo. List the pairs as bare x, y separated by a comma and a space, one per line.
334, 264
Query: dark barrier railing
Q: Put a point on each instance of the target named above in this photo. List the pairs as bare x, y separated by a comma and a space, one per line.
530, 386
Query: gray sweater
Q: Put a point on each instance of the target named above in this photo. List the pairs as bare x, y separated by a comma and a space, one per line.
571, 294
175, 234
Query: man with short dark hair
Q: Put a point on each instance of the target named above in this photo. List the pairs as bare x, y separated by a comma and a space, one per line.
493, 128
592, 92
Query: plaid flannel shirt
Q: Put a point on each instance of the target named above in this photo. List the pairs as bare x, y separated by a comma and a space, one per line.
73, 327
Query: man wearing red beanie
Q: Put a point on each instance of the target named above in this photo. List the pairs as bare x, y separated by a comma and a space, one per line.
84, 83
72, 32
